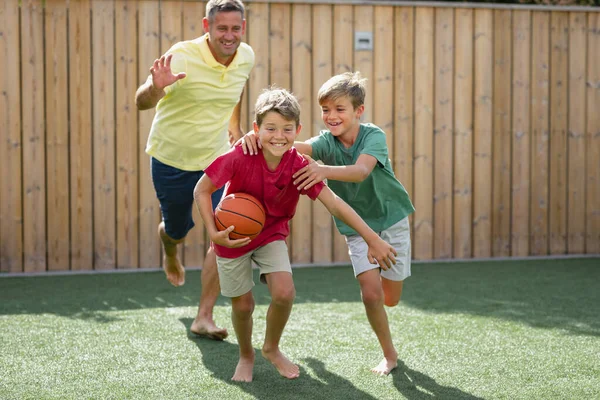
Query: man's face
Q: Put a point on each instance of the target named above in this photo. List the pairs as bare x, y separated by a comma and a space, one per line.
225, 34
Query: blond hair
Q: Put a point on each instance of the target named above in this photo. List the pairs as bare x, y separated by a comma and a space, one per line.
348, 84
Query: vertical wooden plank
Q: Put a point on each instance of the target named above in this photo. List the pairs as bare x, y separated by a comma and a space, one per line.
247, 104
423, 141
540, 132
383, 114
80, 113
363, 59
558, 114
148, 51
103, 75
11, 209
592, 228
403, 98
57, 135
34, 162
343, 55
301, 65
126, 142
322, 238
170, 33
482, 133
258, 38
279, 36
195, 244
462, 197
521, 143
443, 127
501, 145
576, 137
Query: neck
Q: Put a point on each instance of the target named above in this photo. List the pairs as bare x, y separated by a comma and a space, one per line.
272, 161
225, 61
349, 138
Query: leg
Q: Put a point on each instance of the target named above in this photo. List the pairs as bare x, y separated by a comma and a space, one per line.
281, 287
241, 317
373, 300
392, 291
172, 265
203, 323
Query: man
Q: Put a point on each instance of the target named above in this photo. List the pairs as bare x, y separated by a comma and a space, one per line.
197, 88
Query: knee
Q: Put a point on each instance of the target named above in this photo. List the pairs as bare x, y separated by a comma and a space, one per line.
391, 301
243, 306
372, 297
284, 296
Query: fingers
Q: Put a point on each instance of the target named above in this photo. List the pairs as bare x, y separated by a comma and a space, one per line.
167, 61
180, 75
298, 173
371, 258
308, 158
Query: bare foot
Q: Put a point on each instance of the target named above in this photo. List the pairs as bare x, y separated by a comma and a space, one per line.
174, 270
385, 367
243, 371
286, 368
205, 327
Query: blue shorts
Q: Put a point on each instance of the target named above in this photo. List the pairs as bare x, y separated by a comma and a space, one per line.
175, 191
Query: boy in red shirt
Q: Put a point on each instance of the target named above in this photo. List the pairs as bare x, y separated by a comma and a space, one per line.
268, 177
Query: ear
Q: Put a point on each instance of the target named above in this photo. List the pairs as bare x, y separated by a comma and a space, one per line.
205, 24
360, 110
243, 27
298, 129
255, 126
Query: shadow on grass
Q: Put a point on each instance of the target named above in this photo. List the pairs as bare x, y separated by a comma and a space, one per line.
221, 359
560, 293
415, 385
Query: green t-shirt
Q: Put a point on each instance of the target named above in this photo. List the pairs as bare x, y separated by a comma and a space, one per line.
380, 199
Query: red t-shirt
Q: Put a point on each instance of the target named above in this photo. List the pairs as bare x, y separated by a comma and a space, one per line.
275, 189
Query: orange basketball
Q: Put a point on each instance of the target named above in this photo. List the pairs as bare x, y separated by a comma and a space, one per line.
242, 211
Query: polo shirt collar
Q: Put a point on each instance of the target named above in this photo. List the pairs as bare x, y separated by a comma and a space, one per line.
208, 56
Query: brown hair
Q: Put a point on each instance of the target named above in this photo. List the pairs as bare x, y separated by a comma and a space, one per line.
279, 100
348, 84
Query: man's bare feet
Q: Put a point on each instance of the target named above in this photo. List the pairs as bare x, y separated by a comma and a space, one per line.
385, 366
205, 327
243, 371
174, 270
286, 368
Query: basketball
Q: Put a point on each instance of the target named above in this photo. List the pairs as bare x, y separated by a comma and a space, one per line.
244, 212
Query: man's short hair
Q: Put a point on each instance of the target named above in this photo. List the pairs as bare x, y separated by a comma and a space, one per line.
348, 84
215, 6
278, 100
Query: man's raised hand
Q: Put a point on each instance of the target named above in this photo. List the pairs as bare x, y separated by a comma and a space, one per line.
161, 73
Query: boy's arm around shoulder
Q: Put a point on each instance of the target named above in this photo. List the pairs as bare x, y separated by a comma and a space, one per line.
314, 172
380, 252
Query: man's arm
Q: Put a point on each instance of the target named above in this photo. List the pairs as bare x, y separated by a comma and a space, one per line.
314, 173
379, 250
235, 127
147, 96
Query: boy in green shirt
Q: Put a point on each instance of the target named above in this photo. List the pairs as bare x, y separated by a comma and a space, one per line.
358, 170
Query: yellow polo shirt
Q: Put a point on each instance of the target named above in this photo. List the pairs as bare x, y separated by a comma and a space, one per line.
189, 129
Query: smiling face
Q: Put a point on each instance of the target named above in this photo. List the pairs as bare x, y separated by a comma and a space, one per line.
225, 34
341, 118
276, 135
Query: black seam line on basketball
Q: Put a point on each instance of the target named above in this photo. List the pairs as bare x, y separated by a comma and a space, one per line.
260, 207
241, 215
236, 232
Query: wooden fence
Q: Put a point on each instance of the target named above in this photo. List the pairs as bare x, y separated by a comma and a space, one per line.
492, 116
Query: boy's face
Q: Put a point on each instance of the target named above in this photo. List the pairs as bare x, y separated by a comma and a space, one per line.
276, 135
225, 34
340, 116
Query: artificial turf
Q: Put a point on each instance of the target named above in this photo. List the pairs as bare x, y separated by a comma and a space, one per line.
474, 330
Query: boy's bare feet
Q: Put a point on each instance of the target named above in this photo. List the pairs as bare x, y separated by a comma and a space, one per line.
243, 371
205, 327
385, 366
174, 270
286, 368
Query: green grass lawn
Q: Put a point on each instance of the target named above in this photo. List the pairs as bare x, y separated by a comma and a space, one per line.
478, 330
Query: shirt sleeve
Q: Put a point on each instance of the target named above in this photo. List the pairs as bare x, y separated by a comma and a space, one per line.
375, 145
222, 169
321, 146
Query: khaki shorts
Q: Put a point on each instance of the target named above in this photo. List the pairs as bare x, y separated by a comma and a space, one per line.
235, 274
398, 235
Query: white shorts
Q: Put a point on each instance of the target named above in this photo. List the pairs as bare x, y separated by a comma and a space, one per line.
235, 274
398, 235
